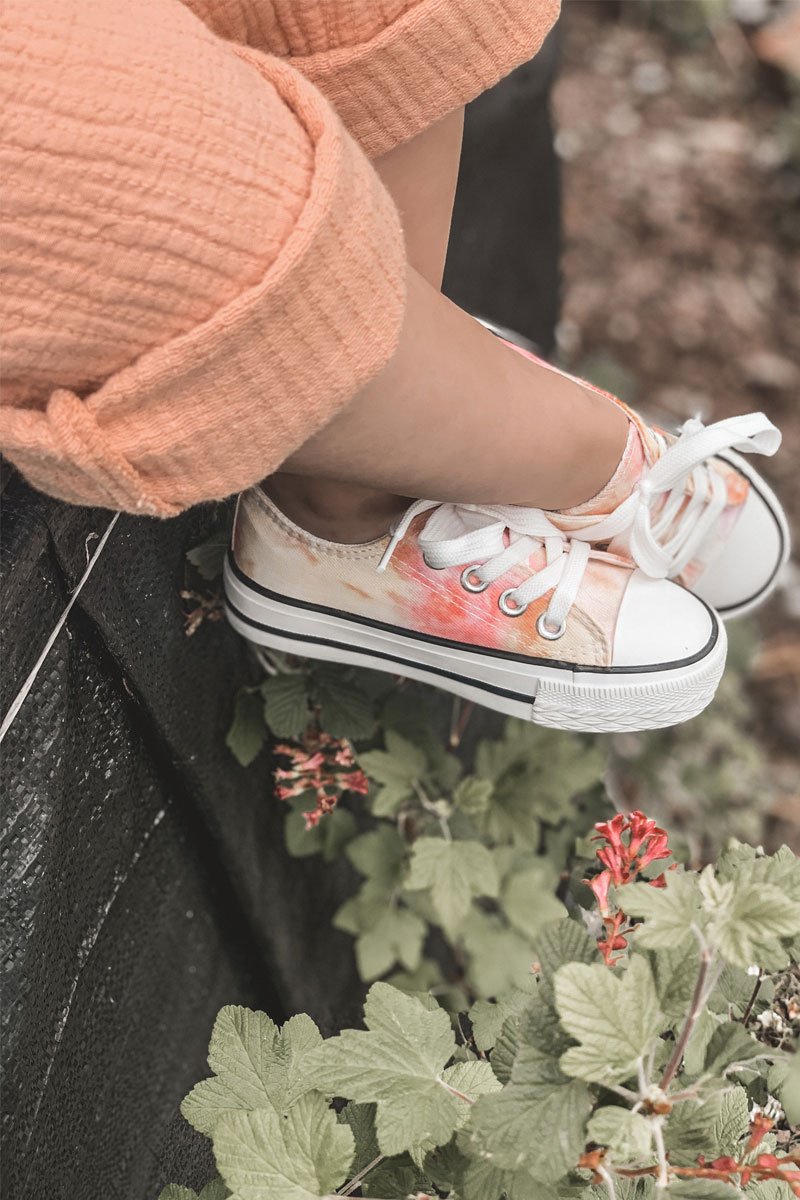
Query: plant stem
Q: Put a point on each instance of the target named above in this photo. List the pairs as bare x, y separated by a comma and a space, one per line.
455, 1092
662, 1181
356, 1180
695, 1008
608, 1181
748, 1012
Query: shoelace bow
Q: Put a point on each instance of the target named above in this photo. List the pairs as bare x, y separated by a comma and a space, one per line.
690, 492
485, 556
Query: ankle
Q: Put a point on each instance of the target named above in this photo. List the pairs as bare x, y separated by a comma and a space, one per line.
337, 512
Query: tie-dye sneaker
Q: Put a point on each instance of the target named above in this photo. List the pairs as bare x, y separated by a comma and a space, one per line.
688, 507
492, 603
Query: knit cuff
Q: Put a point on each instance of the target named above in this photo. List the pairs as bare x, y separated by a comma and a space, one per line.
437, 56
213, 411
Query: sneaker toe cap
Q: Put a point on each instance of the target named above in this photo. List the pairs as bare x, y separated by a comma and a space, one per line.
660, 622
743, 571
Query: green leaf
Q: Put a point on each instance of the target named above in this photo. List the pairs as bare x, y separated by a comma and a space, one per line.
528, 899
346, 711
209, 556
286, 704
454, 872
488, 1016
704, 1029
483, 1181
400, 765
328, 838
748, 924
472, 795
215, 1190
247, 732
398, 1064
714, 1128
669, 912
362, 912
380, 855
730, 1044
675, 973
613, 1016
627, 1134
499, 957
770, 1189
538, 1100
703, 1189
301, 1156
564, 942
255, 1065
174, 1191
397, 936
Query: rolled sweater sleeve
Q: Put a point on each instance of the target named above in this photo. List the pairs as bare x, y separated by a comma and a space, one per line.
201, 265
390, 67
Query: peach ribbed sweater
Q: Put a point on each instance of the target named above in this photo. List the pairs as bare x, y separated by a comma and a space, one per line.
200, 264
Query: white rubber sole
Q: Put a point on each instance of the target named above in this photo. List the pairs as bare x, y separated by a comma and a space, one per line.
774, 505
556, 695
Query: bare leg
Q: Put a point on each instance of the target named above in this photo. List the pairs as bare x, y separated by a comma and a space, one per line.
455, 415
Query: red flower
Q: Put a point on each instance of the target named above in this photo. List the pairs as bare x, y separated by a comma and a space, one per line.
322, 766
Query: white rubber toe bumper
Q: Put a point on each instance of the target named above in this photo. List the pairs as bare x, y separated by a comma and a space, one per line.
746, 569
646, 689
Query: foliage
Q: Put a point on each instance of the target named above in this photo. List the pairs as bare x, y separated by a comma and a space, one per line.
636, 1075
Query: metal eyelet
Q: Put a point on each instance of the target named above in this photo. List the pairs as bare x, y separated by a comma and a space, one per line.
468, 584
544, 630
516, 611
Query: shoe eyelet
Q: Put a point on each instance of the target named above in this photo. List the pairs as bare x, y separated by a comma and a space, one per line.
510, 611
543, 629
468, 584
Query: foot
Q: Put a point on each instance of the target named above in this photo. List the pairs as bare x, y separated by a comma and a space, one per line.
492, 603
690, 508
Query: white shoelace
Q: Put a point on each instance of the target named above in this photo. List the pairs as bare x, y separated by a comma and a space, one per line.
663, 547
473, 536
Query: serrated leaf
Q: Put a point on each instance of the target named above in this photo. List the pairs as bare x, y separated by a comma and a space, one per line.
627, 1134
714, 1128
209, 556
473, 795
346, 711
174, 1191
675, 973
499, 957
398, 1064
730, 1044
302, 1156
396, 937
703, 1189
483, 1181
362, 912
328, 837
286, 704
564, 941
215, 1190
255, 1065
528, 899
538, 1098
747, 927
379, 855
488, 1016
454, 872
505, 1049
248, 732
400, 764
668, 913
613, 1016
769, 1189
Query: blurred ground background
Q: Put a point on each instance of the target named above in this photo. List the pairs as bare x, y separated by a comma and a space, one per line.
678, 129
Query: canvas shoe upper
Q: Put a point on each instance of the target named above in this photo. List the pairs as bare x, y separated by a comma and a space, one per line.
688, 507
492, 603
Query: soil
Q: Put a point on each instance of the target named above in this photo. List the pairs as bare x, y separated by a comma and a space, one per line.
682, 267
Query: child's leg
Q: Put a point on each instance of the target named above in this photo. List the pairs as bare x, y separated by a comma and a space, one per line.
456, 415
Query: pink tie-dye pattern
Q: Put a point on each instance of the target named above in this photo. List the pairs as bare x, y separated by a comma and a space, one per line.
411, 595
